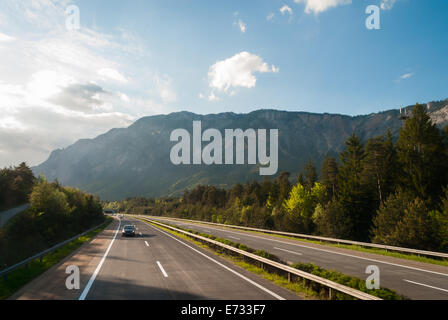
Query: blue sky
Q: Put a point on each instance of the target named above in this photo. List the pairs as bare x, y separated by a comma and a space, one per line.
135, 58
327, 62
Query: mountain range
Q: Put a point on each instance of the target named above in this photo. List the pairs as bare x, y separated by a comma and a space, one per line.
135, 161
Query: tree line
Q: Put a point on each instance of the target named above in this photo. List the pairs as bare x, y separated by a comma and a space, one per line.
15, 185
384, 190
56, 213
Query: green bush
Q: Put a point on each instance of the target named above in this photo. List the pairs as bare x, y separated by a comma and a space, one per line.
348, 281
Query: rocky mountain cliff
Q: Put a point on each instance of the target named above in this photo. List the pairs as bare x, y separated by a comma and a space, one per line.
135, 161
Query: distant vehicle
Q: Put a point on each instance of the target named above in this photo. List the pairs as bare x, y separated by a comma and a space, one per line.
109, 211
128, 231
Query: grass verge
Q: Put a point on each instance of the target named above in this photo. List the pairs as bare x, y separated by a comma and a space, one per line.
23, 275
304, 287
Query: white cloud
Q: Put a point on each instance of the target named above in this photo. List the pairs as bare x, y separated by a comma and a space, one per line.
164, 88
242, 26
124, 97
212, 97
58, 86
318, 6
270, 16
238, 71
240, 23
407, 75
286, 9
387, 4
112, 74
33, 143
6, 38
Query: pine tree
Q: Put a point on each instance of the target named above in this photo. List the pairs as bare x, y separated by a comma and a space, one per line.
423, 157
310, 175
329, 175
392, 168
284, 186
405, 221
353, 196
301, 179
380, 166
333, 221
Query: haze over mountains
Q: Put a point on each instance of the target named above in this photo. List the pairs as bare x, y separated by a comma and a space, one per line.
135, 161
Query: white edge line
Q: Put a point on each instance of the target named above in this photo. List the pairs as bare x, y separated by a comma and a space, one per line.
98, 268
225, 267
425, 285
161, 269
333, 252
298, 253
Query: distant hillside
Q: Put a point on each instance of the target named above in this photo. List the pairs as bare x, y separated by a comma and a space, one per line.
135, 161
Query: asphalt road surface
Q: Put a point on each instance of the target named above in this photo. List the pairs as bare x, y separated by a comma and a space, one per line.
154, 265
416, 280
8, 214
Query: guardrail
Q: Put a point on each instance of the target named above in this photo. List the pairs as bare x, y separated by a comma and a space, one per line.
325, 239
4, 272
289, 270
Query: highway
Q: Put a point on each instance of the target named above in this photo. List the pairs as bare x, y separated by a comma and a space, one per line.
415, 280
154, 265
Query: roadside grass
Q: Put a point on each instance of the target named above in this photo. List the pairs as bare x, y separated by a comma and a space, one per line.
303, 287
407, 256
23, 275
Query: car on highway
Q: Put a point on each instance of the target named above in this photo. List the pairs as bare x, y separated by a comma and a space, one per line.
128, 231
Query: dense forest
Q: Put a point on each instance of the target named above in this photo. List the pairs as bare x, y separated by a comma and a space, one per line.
56, 213
383, 191
15, 185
